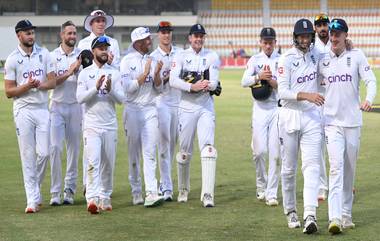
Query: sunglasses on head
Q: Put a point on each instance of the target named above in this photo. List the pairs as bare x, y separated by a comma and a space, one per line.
164, 24
336, 26
101, 40
321, 17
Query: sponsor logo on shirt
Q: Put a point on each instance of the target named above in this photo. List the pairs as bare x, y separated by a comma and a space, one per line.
307, 78
20, 61
339, 78
61, 72
33, 73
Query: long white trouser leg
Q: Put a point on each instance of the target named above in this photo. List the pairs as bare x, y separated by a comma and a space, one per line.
289, 147
57, 135
259, 145
351, 155
92, 150
168, 124
84, 161
132, 126
149, 139
335, 141
73, 136
323, 173
187, 127
107, 163
206, 132
273, 157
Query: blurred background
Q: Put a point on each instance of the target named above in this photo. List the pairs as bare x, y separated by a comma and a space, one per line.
232, 26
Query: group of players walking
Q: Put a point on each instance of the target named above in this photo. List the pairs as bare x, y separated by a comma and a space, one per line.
305, 99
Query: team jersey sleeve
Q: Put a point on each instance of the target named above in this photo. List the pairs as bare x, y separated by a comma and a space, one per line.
130, 85
214, 72
54, 62
116, 54
49, 63
249, 74
175, 81
84, 94
117, 93
10, 70
284, 80
366, 74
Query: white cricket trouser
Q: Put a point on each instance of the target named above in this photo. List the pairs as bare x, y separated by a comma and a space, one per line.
265, 142
343, 147
307, 136
66, 121
100, 152
32, 129
168, 132
323, 174
201, 121
141, 126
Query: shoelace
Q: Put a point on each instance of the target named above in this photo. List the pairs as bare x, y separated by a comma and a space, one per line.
207, 196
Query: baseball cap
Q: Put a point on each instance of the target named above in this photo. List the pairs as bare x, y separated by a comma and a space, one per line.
100, 41
303, 26
164, 25
97, 14
338, 24
321, 18
140, 33
268, 33
24, 25
197, 28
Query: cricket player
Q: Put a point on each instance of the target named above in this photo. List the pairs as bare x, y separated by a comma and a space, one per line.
65, 116
196, 72
300, 124
99, 88
29, 74
142, 84
263, 66
167, 107
322, 44
96, 24
342, 71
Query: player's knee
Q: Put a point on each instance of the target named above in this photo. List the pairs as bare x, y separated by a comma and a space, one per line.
288, 171
183, 157
259, 155
55, 150
209, 153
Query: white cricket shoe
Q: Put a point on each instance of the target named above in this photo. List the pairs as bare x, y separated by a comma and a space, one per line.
208, 200
153, 200
271, 202
168, 196
347, 222
105, 204
322, 194
68, 197
310, 225
182, 196
55, 199
292, 219
137, 199
335, 226
260, 195
92, 206
32, 208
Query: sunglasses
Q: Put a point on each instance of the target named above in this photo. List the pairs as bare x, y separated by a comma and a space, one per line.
336, 26
164, 24
101, 40
320, 17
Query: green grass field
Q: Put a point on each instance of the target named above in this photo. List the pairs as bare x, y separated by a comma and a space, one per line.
237, 215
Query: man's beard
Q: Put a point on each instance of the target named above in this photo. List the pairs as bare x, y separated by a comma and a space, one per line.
28, 44
323, 35
101, 60
71, 42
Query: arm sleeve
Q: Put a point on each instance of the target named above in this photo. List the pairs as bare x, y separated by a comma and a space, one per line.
284, 87
50, 67
84, 94
130, 85
214, 72
117, 93
175, 81
249, 74
116, 54
367, 75
9, 70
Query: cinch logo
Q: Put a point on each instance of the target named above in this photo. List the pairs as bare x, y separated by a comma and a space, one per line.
306, 78
62, 72
339, 78
33, 73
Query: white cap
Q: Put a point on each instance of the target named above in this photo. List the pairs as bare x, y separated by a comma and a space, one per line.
139, 33
95, 14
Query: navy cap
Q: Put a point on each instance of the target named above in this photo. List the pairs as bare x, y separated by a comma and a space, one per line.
24, 25
268, 33
164, 26
338, 24
321, 18
100, 41
197, 28
303, 26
